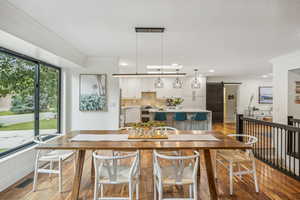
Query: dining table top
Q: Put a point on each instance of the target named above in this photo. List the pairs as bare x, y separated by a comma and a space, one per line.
64, 142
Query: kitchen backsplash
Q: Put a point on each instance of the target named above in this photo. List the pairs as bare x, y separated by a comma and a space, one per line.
147, 98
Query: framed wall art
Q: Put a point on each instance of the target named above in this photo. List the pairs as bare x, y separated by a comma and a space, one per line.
92, 92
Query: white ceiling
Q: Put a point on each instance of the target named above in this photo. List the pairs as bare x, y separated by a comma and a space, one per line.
234, 37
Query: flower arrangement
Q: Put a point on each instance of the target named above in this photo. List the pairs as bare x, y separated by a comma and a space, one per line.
174, 101
148, 125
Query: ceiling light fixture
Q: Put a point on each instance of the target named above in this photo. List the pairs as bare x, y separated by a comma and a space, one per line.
164, 66
264, 76
196, 84
177, 83
149, 75
123, 64
211, 70
145, 75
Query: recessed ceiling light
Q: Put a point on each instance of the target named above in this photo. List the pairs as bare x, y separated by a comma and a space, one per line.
123, 64
264, 76
174, 64
211, 70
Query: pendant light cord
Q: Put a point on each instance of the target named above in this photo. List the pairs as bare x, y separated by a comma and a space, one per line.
136, 52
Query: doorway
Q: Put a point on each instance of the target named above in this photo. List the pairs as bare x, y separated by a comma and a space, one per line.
230, 102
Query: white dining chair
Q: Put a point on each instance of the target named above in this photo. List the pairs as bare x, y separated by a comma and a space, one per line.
116, 169
231, 159
175, 174
45, 160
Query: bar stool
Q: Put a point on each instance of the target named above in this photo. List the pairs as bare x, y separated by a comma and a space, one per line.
160, 116
198, 121
180, 120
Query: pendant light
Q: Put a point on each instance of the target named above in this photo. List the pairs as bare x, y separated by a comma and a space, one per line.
158, 83
150, 30
196, 84
177, 83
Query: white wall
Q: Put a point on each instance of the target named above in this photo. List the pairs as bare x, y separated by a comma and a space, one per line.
18, 23
281, 67
281, 87
193, 98
248, 88
95, 120
293, 108
10, 170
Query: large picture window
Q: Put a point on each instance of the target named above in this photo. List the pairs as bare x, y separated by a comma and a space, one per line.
29, 100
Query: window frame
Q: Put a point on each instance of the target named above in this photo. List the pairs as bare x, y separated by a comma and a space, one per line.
36, 130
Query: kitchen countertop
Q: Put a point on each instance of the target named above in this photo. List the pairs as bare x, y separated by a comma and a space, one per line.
188, 110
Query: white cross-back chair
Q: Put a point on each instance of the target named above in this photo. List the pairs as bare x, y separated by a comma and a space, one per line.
237, 158
181, 174
45, 160
116, 169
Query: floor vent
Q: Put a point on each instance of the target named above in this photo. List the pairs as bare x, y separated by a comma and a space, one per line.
25, 183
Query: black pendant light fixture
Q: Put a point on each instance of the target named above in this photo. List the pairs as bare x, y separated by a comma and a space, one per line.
148, 75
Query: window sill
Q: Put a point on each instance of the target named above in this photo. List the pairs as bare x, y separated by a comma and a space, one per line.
22, 151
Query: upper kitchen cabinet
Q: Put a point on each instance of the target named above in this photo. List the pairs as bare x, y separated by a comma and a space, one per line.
131, 88
147, 84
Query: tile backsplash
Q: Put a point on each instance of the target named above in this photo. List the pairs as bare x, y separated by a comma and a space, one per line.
147, 98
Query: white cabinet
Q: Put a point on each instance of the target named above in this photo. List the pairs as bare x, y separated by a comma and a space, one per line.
147, 85
131, 88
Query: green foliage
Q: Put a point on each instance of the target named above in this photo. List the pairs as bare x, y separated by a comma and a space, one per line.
92, 103
174, 101
17, 78
21, 104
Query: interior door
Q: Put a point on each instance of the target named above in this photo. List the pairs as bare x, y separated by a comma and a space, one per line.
215, 100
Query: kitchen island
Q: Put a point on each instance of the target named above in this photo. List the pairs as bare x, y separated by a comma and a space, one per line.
188, 124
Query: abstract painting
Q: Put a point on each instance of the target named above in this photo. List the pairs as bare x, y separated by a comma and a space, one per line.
92, 92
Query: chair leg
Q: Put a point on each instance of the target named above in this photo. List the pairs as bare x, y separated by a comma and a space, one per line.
36, 171
51, 168
74, 164
255, 176
216, 164
191, 190
239, 168
137, 191
60, 174
154, 189
160, 192
101, 190
231, 177
96, 189
130, 191
195, 190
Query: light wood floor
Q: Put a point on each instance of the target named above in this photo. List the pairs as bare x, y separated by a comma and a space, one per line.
272, 183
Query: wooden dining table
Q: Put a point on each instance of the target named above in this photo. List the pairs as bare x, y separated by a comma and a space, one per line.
65, 143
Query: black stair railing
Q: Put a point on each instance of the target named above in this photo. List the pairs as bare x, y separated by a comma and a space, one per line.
278, 144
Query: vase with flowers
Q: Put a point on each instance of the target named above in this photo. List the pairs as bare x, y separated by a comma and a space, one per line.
174, 102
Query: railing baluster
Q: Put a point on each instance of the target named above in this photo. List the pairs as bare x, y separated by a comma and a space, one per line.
294, 149
278, 144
